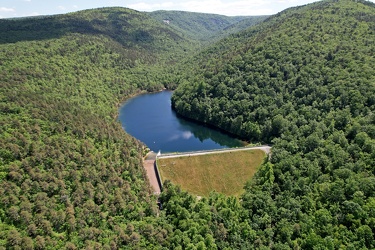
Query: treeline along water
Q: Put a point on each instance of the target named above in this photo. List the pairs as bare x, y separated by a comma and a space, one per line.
150, 119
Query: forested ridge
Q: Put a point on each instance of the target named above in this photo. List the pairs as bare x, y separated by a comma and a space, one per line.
69, 175
205, 27
303, 81
70, 178
292, 60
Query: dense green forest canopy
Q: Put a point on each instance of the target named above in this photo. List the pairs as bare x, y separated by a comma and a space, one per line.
304, 81
132, 30
71, 178
255, 82
205, 27
69, 175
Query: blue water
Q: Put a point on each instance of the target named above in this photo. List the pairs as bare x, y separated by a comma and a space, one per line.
150, 119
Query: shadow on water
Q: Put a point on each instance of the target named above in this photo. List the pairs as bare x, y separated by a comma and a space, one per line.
204, 132
150, 119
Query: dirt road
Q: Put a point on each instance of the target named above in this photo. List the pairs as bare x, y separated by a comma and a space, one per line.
266, 149
149, 165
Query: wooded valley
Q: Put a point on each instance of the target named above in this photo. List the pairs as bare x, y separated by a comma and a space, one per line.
302, 80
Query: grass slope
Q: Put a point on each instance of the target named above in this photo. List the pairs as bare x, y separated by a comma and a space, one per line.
226, 172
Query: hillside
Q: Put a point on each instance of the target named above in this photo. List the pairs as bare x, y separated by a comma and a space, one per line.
125, 26
302, 80
70, 178
205, 27
242, 25
69, 175
289, 59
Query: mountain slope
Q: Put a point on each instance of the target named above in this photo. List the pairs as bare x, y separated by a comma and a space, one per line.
69, 175
303, 80
290, 58
204, 27
71, 178
242, 25
129, 28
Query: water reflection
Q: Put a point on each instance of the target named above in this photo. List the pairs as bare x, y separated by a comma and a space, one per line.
202, 133
151, 119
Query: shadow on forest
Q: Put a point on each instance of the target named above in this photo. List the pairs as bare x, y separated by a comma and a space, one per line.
116, 26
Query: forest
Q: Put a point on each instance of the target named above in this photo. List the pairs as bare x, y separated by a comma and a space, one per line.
206, 28
301, 80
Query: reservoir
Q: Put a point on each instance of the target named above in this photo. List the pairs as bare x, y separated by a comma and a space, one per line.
150, 119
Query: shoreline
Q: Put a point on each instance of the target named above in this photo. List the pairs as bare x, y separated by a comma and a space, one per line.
122, 101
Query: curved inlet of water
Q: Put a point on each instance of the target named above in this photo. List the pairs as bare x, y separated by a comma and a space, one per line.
150, 119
